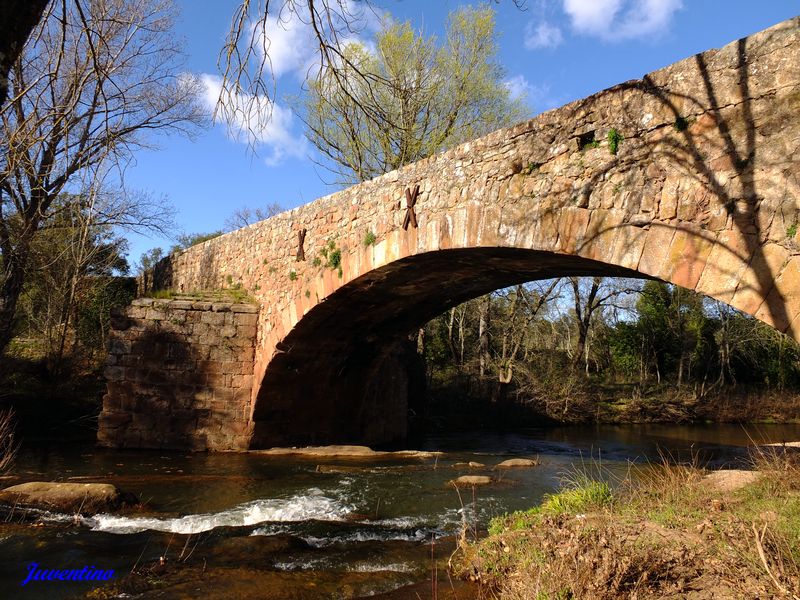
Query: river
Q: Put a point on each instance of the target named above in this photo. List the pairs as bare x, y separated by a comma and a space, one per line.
258, 526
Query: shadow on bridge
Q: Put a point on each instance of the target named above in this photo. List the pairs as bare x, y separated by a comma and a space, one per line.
340, 373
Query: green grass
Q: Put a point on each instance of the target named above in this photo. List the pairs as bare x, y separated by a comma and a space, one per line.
236, 294
581, 496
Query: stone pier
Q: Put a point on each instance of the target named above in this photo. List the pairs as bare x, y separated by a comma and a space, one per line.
180, 375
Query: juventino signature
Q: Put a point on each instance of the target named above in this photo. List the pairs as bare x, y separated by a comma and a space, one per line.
84, 574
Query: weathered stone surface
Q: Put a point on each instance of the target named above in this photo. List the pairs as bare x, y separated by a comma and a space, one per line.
83, 498
703, 192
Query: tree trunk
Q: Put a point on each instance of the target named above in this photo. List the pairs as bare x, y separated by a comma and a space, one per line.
10, 290
580, 348
483, 334
17, 19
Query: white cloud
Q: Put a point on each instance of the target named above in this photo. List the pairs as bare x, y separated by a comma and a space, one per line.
288, 44
291, 44
255, 121
518, 87
538, 96
592, 16
286, 41
621, 19
543, 35
649, 17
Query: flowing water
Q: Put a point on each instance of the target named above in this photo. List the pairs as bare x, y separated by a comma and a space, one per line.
262, 527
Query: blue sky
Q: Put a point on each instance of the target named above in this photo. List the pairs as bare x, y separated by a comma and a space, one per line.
555, 51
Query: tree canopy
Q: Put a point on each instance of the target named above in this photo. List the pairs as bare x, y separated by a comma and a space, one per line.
418, 97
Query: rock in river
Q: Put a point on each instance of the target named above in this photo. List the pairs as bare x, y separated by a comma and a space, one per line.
471, 480
349, 452
517, 462
86, 498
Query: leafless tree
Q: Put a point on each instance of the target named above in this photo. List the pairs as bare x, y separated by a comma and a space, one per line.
523, 306
89, 87
242, 217
589, 297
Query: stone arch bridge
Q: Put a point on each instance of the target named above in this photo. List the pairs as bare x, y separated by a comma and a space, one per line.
690, 175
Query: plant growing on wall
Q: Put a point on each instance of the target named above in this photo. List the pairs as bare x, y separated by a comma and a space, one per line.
332, 255
614, 138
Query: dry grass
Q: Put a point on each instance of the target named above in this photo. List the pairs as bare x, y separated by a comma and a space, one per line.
8, 445
665, 533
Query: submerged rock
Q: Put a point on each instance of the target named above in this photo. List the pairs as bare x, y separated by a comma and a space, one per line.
517, 462
354, 452
471, 480
85, 498
469, 465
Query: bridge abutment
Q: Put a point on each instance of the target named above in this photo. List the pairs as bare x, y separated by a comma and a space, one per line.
180, 375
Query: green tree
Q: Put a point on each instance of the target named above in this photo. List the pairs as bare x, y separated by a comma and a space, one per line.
375, 112
90, 83
77, 243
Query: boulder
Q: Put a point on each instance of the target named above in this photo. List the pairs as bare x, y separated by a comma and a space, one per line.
469, 465
517, 462
70, 498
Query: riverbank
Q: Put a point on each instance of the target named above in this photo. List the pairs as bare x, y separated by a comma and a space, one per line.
467, 403
662, 532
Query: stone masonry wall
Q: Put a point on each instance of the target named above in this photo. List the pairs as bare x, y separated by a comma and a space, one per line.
701, 189
179, 375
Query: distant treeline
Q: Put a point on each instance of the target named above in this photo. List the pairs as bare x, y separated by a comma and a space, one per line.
571, 347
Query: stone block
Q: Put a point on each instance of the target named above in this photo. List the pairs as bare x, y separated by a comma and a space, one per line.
248, 319
728, 259
656, 248
181, 305
246, 354
213, 318
227, 331
210, 367
245, 308
758, 279
781, 307
573, 222
114, 373
601, 234
142, 302
687, 256
242, 381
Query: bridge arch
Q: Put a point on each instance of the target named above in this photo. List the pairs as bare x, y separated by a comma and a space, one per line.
701, 191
